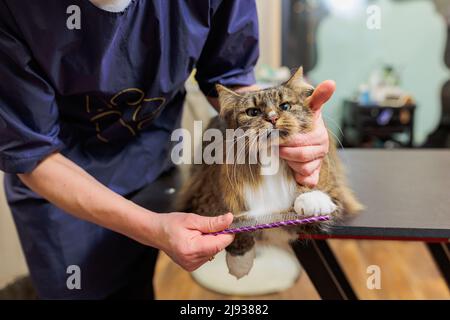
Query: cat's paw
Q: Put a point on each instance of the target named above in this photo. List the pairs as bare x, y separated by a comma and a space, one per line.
314, 203
240, 265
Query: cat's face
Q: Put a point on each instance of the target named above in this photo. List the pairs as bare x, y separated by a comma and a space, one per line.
284, 108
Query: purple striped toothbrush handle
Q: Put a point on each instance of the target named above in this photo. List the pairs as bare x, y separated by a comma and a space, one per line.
274, 225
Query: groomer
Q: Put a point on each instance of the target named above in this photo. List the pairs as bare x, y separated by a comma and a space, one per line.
90, 92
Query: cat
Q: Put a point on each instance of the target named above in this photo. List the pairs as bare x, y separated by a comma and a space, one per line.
214, 189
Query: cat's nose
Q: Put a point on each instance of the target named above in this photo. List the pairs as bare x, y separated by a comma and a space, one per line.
272, 116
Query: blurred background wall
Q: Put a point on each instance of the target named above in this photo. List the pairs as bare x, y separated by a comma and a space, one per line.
411, 39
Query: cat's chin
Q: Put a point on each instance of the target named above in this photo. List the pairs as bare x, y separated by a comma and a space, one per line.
284, 136
280, 141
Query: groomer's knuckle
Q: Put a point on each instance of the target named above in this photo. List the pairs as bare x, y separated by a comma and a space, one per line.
214, 248
182, 250
316, 155
298, 139
315, 177
302, 156
323, 152
311, 180
293, 165
204, 249
190, 268
219, 247
187, 249
227, 240
189, 219
316, 180
183, 262
287, 152
298, 156
299, 178
211, 223
297, 167
306, 170
196, 267
309, 183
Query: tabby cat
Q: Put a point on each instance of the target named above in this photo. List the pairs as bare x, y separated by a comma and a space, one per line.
215, 189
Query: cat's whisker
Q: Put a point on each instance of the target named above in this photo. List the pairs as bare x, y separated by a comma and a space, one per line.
340, 130
337, 139
235, 138
255, 140
334, 122
340, 143
236, 159
233, 178
227, 164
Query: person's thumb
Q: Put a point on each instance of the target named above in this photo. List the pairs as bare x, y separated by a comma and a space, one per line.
213, 224
321, 94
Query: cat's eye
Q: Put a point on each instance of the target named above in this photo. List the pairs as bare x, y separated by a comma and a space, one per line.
253, 112
285, 106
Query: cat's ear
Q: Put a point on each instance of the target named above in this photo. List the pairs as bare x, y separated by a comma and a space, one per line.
225, 93
227, 99
299, 85
295, 79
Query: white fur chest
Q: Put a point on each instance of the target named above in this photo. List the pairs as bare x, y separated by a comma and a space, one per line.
275, 193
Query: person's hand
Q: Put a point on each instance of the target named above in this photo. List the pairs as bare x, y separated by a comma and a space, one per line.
180, 236
304, 152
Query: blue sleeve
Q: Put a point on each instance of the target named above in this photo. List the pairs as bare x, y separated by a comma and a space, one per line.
231, 50
28, 112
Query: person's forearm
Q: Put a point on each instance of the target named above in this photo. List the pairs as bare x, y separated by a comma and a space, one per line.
215, 101
72, 189
179, 235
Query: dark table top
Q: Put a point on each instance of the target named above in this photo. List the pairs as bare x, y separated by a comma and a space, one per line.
406, 193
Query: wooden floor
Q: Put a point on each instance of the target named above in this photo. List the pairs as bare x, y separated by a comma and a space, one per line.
407, 272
